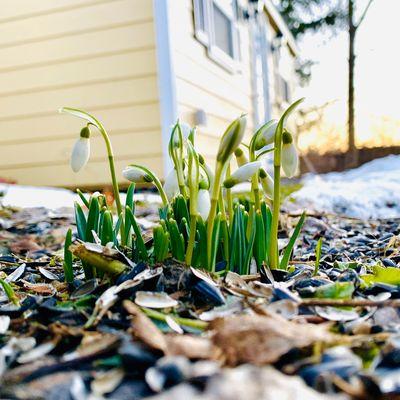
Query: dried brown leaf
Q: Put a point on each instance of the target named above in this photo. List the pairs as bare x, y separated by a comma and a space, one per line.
193, 347
262, 339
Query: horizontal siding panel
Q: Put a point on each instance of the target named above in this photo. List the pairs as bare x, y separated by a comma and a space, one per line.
84, 71
86, 45
197, 98
141, 117
11, 9
58, 151
74, 21
139, 91
95, 174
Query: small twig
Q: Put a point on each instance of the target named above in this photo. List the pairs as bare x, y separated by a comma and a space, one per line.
351, 303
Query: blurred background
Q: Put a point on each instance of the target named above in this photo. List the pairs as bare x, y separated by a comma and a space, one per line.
139, 65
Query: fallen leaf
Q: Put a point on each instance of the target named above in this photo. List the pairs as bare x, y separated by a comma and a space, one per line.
262, 340
193, 347
144, 329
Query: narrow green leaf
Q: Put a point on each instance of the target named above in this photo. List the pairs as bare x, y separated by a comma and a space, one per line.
9, 291
83, 198
288, 250
93, 219
67, 265
80, 221
317, 255
138, 236
107, 233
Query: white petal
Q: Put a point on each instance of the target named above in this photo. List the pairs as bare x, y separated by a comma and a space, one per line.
80, 154
203, 203
245, 172
290, 159
267, 184
269, 133
171, 186
134, 174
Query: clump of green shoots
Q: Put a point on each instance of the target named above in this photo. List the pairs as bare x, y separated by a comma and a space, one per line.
202, 224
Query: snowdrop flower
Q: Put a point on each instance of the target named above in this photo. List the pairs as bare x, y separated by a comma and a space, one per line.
266, 134
203, 203
242, 174
231, 139
185, 129
81, 150
241, 158
171, 185
135, 174
290, 158
267, 183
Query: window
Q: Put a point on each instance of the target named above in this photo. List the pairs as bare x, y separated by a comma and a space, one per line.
216, 28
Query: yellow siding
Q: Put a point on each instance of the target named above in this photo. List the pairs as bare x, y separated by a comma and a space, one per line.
98, 55
201, 83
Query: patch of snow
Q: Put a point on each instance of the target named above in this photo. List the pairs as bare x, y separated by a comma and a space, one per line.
370, 191
53, 198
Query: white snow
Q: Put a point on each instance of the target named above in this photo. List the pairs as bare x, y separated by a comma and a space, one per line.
367, 192
370, 191
52, 198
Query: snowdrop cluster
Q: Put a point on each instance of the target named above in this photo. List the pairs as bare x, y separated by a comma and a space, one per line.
201, 223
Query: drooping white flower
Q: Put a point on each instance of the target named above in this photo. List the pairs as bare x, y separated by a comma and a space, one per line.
135, 174
266, 134
267, 183
242, 174
171, 185
203, 203
81, 150
289, 156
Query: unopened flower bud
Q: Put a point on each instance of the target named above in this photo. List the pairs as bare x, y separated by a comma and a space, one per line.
231, 139
242, 174
266, 134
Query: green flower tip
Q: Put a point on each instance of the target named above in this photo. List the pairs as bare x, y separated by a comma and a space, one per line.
229, 183
85, 132
287, 137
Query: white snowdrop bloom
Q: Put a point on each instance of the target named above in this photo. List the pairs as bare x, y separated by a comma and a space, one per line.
81, 150
267, 183
231, 139
267, 134
242, 174
135, 174
203, 203
289, 156
241, 158
171, 186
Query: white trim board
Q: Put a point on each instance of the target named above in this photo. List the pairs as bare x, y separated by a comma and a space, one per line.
166, 76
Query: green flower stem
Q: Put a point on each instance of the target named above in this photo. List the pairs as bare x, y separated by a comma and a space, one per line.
254, 180
192, 323
213, 212
273, 242
224, 226
229, 197
192, 237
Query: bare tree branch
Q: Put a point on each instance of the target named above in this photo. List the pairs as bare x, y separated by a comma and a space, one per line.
364, 14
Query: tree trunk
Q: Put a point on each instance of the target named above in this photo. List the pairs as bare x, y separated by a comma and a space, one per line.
352, 58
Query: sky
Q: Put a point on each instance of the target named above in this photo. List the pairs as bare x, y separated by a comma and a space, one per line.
377, 81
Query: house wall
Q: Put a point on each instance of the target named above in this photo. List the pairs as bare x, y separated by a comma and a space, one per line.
202, 83
98, 55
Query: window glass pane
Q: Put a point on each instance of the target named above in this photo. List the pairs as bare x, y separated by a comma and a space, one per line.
201, 15
223, 31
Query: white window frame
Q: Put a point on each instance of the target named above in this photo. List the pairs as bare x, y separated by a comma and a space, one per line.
207, 37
